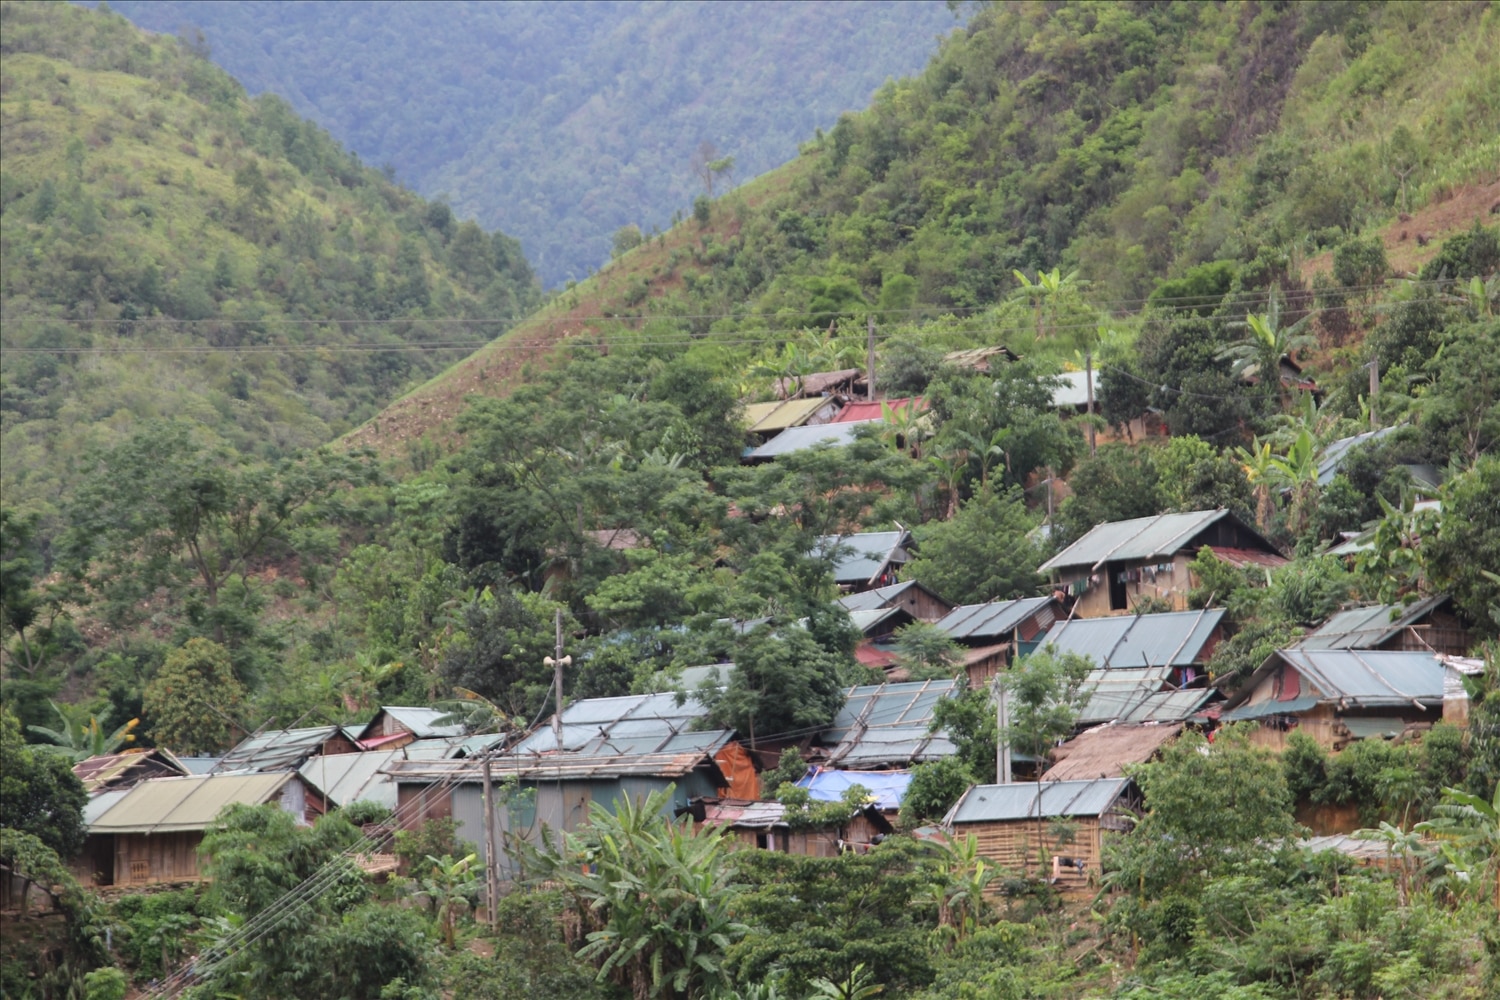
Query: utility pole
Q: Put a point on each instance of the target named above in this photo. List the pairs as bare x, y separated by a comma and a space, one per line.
1088, 368
1002, 745
1374, 390
1049, 499
491, 860
557, 662
870, 362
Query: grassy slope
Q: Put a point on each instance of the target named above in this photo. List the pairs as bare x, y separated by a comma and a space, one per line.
129, 227
1330, 114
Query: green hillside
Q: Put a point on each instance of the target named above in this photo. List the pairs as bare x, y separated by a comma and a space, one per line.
561, 122
172, 248
1221, 148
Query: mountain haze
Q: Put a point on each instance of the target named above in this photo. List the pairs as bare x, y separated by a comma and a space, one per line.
561, 122
176, 249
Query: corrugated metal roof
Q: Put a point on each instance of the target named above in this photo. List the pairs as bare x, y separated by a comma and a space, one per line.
566, 766
200, 765
865, 621
1138, 538
96, 772
99, 804
352, 777
1018, 800
1331, 459
885, 724
763, 418
277, 749
744, 813
1369, 676
628, 725
863, 556
797, 438
192, 803
983, 621
1074, 391
1368, 627
1170, 639
1261, 710
422, 722
830, 784
1142, 703
1363, 540
876, 410
880, 597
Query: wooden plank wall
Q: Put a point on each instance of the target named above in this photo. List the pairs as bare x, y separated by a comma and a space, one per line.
1013, 846
141, 859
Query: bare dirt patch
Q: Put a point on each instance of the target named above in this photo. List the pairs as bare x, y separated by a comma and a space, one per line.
1414, 240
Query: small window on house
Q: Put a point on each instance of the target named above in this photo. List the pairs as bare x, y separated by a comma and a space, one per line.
140, 871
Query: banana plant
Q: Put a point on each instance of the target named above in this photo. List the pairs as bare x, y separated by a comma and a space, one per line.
1265, 344
858, 985
449, 887
1046, 289
82, 735
1470, 828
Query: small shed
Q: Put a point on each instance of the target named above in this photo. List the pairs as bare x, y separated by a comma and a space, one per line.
914, 598
124, 770
1104, 751
846, 382
395, 726
994, 631
882, 726
1426, 625
1455, 691
765, 419
151, 833
867, 560
1056, 827
763, 825
1340, 695
1118, 563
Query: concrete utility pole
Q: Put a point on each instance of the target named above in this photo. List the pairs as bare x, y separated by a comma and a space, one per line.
1374, 390
557, 662
491, 859
1088, 368
870, 362
1002, 745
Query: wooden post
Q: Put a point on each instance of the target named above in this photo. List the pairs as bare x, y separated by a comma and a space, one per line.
1374, 390
491, 861
870, 362
1088, 368
557, 661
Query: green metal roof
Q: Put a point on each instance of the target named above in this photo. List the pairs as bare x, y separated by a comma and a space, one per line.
167, 805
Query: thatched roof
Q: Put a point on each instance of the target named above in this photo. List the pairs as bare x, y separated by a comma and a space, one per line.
1103, 752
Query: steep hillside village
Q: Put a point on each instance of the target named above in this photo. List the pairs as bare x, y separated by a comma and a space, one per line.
886, 581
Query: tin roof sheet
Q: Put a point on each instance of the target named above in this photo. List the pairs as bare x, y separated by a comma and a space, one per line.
1019, 800
875, 410
1370, 626
1369, 677
1136, 539
860, 557
880, 597
277, 749
422, 722
1074, 391
352, 777
189, 803
1173, 638
885, 724
1262, 709
984, 621
628, 725
798, 438
1332, 457
101, 803
763, 418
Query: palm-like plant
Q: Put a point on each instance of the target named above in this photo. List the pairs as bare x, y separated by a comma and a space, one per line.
905, 426
83, 735
1266, 342
1045, 290
449, 886
1297, 472
1261, 472
1469, 827
1402, 848
858, 985
657, 893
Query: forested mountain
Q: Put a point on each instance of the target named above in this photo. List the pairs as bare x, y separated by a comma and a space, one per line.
561, 122
1182, 199
155, 217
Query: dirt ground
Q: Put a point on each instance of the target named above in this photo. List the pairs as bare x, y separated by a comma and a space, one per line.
1405, 238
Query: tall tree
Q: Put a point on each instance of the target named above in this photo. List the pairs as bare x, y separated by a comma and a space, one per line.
39, 794
194, 703
984, 553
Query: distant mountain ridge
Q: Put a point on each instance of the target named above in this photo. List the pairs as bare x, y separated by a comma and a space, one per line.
561, 122
175, 250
